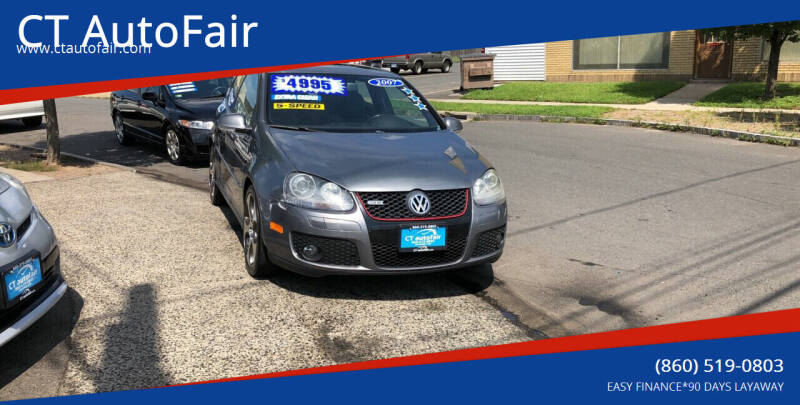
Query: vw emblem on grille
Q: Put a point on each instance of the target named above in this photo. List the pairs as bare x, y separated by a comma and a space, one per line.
418, 203
7, 235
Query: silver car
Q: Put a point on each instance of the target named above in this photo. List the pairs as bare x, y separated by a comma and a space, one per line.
29, 112
349, 170
30, 274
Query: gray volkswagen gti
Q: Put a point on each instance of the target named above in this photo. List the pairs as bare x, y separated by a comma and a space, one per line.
30, 269
349, 170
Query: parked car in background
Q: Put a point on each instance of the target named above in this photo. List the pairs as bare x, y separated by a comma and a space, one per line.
178, 116
30, 267
348, 170
418, 62
30, 113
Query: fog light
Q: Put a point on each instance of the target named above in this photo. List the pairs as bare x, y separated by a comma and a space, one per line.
311, 252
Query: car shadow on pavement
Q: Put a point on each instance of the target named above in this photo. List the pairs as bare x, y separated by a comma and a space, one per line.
470, 280
38, 347
15, 126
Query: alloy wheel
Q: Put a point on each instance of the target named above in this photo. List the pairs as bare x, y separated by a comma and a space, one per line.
173, 146
119, 129
251, 242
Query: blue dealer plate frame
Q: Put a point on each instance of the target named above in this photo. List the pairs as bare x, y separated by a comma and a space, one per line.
423, 238
23, 277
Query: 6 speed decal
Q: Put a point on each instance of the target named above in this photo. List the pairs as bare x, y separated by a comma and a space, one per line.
413, 97
384, 82
298, 106
308, 84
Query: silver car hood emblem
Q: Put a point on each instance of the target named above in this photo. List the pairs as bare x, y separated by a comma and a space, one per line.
418, 202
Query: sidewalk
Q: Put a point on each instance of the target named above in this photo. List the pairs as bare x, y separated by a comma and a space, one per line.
679, 100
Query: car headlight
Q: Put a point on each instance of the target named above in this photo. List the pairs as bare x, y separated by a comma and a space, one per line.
488, 189
197, 124
305, 190
13, 182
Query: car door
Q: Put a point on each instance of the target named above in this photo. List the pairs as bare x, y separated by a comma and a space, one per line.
127, 104
236, 144
153, 113
218, 139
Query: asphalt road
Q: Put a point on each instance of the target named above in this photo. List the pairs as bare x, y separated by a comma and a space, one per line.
435, 83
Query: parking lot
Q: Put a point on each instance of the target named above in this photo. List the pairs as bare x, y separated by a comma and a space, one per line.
610, 228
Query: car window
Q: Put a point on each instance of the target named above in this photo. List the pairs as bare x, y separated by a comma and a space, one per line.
245, 102
347, 103
200, 89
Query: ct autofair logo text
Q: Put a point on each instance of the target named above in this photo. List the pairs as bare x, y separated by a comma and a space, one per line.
142, 33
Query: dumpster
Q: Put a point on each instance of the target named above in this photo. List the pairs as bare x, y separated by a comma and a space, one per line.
477, 71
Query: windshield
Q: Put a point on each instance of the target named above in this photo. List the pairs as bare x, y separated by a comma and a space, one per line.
346, 103
200, 89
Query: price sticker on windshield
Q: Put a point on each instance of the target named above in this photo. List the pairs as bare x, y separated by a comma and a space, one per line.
308, 84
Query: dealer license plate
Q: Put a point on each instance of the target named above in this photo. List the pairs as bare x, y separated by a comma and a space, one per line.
22, 278
423, 238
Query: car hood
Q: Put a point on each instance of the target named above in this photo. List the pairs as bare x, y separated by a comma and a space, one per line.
435, 160
201, 108
15, 206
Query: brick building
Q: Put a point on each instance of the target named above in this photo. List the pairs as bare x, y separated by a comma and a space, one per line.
676, 55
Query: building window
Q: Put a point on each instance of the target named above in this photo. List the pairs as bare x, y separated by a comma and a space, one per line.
790, 51
644, 51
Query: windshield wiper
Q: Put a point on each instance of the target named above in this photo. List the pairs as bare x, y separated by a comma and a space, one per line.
291, 128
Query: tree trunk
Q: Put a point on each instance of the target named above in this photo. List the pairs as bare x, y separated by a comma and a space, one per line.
53, 143
775, 43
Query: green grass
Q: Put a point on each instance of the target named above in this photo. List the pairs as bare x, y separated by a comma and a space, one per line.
516, 109
604, 92
749, 95
30, 166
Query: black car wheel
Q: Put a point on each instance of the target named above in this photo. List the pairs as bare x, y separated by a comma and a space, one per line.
119, 130
32, 122
395, 70
213, 190
173, 147
255, 256
446, 66
417, 69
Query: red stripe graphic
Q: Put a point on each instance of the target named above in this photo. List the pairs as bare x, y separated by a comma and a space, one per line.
75, 89
766, 323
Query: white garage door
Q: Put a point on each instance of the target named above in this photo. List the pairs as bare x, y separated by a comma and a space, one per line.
518, 62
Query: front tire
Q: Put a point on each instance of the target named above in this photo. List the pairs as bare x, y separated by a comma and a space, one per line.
213, 190
119, 130
446, 66
417, 69
255, 255
173, 147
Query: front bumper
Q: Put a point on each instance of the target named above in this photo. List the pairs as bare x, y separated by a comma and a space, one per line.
366, 246
21, 315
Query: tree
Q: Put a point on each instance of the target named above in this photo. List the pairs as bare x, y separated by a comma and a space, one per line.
53, 143
776, 35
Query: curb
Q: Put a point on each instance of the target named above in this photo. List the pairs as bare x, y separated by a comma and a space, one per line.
146, 172
717, 132
72, 155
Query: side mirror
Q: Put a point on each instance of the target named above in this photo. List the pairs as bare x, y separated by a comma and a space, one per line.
150, 96
232, 122
453, 124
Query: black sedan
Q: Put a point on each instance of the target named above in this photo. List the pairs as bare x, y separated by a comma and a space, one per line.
179, 116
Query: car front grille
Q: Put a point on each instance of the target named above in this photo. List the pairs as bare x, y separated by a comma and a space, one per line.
337, 252
489, 242
444, 204
23, 227
388, 255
